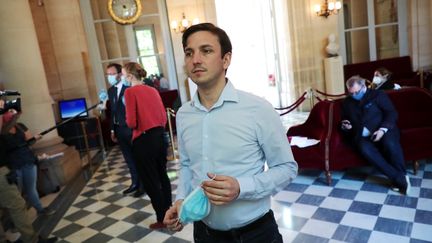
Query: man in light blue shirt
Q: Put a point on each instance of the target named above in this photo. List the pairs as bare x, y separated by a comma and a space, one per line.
225, 138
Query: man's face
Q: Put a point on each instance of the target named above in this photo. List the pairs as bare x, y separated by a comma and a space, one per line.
355, 88
203, 61
113, 71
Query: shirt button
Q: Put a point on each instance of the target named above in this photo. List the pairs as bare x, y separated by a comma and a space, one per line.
205, 158
205, 136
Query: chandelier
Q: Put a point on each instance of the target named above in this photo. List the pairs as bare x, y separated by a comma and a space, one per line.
182, 25
328, 8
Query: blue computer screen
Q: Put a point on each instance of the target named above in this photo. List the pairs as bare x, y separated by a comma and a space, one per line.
72, 107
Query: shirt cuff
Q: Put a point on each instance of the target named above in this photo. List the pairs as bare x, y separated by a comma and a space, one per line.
247, 188
112, 131
383, 129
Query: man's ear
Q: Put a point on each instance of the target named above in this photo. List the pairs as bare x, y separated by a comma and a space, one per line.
226, 60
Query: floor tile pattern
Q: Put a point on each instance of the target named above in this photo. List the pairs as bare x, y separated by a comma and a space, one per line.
351, 210
357, 207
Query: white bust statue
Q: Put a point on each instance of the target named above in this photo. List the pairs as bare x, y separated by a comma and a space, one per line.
332, 48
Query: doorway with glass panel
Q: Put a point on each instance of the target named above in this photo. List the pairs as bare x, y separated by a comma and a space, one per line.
147, 41
373, 30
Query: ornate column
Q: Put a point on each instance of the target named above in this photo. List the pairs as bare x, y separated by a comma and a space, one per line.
22, 69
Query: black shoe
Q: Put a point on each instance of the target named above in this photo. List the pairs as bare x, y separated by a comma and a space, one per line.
131, 189
138, 193
46, 211
47, 240
404, 188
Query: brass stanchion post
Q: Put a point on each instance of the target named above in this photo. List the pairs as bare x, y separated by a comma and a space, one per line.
101, 141
86, 143
311, 98
169, 114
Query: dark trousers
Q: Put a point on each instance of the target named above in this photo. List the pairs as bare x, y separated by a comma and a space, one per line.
261, 230
386, 155
149, 151
124, 139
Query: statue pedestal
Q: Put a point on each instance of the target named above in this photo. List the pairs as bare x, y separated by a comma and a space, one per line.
334, 78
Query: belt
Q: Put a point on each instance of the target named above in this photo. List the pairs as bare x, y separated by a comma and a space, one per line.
265, 219
153, 129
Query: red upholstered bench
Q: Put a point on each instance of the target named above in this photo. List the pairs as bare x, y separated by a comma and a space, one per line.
169, 99
414, 106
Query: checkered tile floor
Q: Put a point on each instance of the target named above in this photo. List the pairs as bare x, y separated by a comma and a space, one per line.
357, 207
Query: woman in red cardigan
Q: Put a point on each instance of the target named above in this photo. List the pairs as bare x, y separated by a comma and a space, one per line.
145, 114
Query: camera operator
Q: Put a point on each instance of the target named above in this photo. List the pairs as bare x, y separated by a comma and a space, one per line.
22, 160
11, 199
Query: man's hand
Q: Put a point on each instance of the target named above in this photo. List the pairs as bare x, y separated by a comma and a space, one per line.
221, 189
377, 135
171, 219
346, 125
113, 137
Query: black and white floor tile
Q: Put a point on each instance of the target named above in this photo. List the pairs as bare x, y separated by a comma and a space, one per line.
357, 207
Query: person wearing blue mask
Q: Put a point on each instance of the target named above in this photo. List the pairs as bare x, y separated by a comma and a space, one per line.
226, 137
120, 132
369, 121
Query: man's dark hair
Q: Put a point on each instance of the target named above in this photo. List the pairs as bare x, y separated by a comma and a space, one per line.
117, 66
223, 38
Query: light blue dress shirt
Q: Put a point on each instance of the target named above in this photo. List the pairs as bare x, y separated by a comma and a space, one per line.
236, 137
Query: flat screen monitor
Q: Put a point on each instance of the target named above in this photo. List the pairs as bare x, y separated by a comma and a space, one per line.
72, 107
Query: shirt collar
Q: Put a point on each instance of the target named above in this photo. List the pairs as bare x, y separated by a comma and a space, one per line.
228, 94
119, 85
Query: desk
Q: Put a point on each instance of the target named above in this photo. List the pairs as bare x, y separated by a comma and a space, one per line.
80, 131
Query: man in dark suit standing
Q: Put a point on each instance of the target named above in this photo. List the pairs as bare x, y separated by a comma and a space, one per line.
369, 120
120, 132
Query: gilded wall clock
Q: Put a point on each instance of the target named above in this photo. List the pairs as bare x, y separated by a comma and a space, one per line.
125, 11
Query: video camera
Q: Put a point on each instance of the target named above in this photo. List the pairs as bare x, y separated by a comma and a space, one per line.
11, 104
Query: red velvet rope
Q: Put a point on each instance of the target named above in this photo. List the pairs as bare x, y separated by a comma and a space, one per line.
303, 98
296, 103
330, 95
318, 98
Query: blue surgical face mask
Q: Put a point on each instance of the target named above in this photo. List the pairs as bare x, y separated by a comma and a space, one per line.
112, 79
195, 207
359, 95
125, 82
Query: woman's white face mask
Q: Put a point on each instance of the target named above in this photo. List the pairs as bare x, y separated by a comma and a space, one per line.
378, 80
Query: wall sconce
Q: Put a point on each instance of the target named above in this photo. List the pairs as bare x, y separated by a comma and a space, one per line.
328, 8
181, 26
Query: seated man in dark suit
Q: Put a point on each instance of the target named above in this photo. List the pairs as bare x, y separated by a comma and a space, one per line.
369, 120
